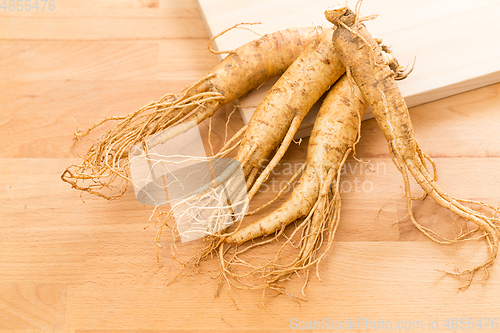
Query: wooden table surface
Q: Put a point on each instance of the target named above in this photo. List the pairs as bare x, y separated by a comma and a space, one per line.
75, 262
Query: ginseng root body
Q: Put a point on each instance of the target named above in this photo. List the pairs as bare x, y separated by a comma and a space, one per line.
365, 64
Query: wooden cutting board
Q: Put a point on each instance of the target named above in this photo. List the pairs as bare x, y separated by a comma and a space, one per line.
453, 42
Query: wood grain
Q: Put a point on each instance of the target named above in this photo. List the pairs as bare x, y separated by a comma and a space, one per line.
71, 262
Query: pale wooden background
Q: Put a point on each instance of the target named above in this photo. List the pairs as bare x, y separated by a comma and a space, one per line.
75, 265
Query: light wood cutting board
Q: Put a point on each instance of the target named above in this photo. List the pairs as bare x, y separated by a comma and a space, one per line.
452, 41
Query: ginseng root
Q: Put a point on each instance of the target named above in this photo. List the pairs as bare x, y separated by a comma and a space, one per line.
104, 169
364, 64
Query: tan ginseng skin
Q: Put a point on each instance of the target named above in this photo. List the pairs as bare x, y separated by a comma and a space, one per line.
278, 116
254, 63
